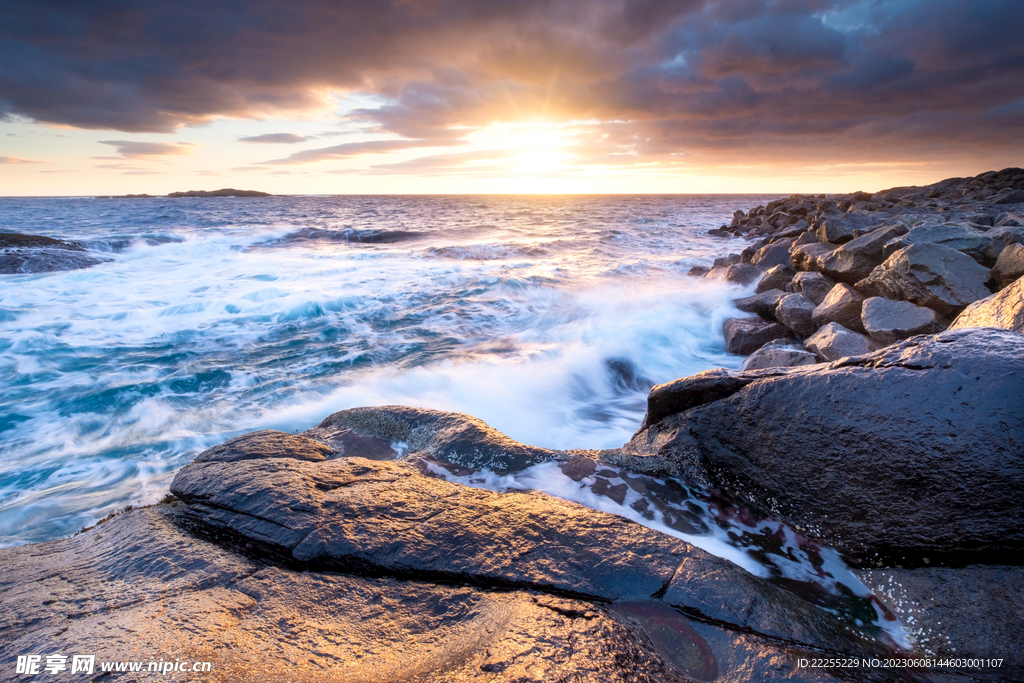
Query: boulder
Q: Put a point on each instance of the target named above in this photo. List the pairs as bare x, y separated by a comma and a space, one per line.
836, 448
741, 273
1002, 237
809, 256
746, 335
960, 237
855, 260
887, 321
1009, 266
840, 229
1004, 310
814, 286
779, 354
833, 341
794, 311
842, 305
776, 254
763, 303
931, 275
776, 277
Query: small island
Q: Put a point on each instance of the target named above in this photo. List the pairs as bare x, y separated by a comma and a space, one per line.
224, 192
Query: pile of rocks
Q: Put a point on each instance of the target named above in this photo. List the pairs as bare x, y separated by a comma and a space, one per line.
841, 276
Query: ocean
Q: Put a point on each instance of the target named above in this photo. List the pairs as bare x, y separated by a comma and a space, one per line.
549, 317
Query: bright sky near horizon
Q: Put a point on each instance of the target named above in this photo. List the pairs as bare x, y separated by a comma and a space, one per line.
521, 96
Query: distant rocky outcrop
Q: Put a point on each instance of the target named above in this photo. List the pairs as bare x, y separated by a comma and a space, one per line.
38, 254
226, 192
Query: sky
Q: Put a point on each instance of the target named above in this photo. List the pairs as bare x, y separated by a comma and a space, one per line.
506, 96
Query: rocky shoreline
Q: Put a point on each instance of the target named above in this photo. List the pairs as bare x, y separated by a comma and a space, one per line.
879, 413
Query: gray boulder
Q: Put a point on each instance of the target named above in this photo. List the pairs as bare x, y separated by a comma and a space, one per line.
960, 237
762, 303
779, 354
842, 305
836, 448
855, 260
1009, 266
833, 342
814, 286
1004, 310
1002, 237
840, 229
795, 311
810, 256
746, 335
887, 321
741, 273
931, 275
776, 277
772, 255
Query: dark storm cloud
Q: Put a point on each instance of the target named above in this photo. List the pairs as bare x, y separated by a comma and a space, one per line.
277, 138
662, 79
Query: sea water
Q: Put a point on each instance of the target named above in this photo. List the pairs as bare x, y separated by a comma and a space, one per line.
547, 317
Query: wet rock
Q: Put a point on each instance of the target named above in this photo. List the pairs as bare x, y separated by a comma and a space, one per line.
139, 587
763, 303
971, 611
795, 311
745, 335
842, 305
268, 444
37, 254
833, 341
1009, 266
741, 273
931, 275
962, 238
1015, 197
887, 321
689, 392
383, 433
835, 448
698, 271
776, 277
779, 354
369, 517
814, 286
810, 256
1004, 310
855, 260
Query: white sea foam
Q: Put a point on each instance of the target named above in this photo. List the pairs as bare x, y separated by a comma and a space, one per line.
216, 324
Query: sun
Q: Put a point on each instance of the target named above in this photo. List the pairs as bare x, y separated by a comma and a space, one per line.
531, 149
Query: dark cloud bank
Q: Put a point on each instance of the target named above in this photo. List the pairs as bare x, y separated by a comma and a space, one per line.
821, 80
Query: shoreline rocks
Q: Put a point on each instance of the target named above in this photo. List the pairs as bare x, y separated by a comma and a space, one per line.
38, 254
930, 252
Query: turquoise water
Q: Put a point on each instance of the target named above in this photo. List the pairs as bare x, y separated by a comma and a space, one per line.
547, 317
